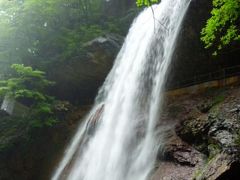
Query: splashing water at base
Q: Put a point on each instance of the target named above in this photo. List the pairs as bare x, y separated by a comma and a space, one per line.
125, 143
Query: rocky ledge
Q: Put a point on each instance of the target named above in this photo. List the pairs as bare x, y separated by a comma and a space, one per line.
205, 143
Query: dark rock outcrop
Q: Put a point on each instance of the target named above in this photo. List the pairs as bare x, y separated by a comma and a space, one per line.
205, 144
180, 163
78, 79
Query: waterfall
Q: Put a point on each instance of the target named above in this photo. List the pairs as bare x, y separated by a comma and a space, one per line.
121, 135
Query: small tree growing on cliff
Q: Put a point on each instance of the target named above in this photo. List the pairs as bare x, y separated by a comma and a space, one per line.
223, 27
146, 2
28, 86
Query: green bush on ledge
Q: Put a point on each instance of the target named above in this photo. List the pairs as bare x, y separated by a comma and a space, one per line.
28, 87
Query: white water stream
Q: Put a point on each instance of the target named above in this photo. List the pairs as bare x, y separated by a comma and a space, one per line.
125, 143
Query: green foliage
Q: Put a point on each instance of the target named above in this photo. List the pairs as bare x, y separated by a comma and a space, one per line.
213, 150
32, 31
41, 34
26, 83
141, 3
28, 86
223, 27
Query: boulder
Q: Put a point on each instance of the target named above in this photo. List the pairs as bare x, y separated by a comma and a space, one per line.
78, 79
180, 163
182, 153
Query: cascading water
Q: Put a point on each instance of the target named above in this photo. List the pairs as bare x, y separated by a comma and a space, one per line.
125, 142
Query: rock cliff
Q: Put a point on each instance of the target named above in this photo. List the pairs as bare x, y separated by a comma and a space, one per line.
78, 79
205, 141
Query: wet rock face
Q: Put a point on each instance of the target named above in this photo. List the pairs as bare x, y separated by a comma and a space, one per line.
222, 132
182, 153
205, 144
180, 162
78, 79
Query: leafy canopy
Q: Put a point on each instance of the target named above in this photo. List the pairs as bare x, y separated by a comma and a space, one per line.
25, 83
28, 86
223, 27
42, 33
141, 3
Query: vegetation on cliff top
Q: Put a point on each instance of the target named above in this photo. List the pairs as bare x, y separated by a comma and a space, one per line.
146, 2
38, 35
42, 33
222, 28
28, 86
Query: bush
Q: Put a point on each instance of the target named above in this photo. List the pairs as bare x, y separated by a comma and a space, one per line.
28, 87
